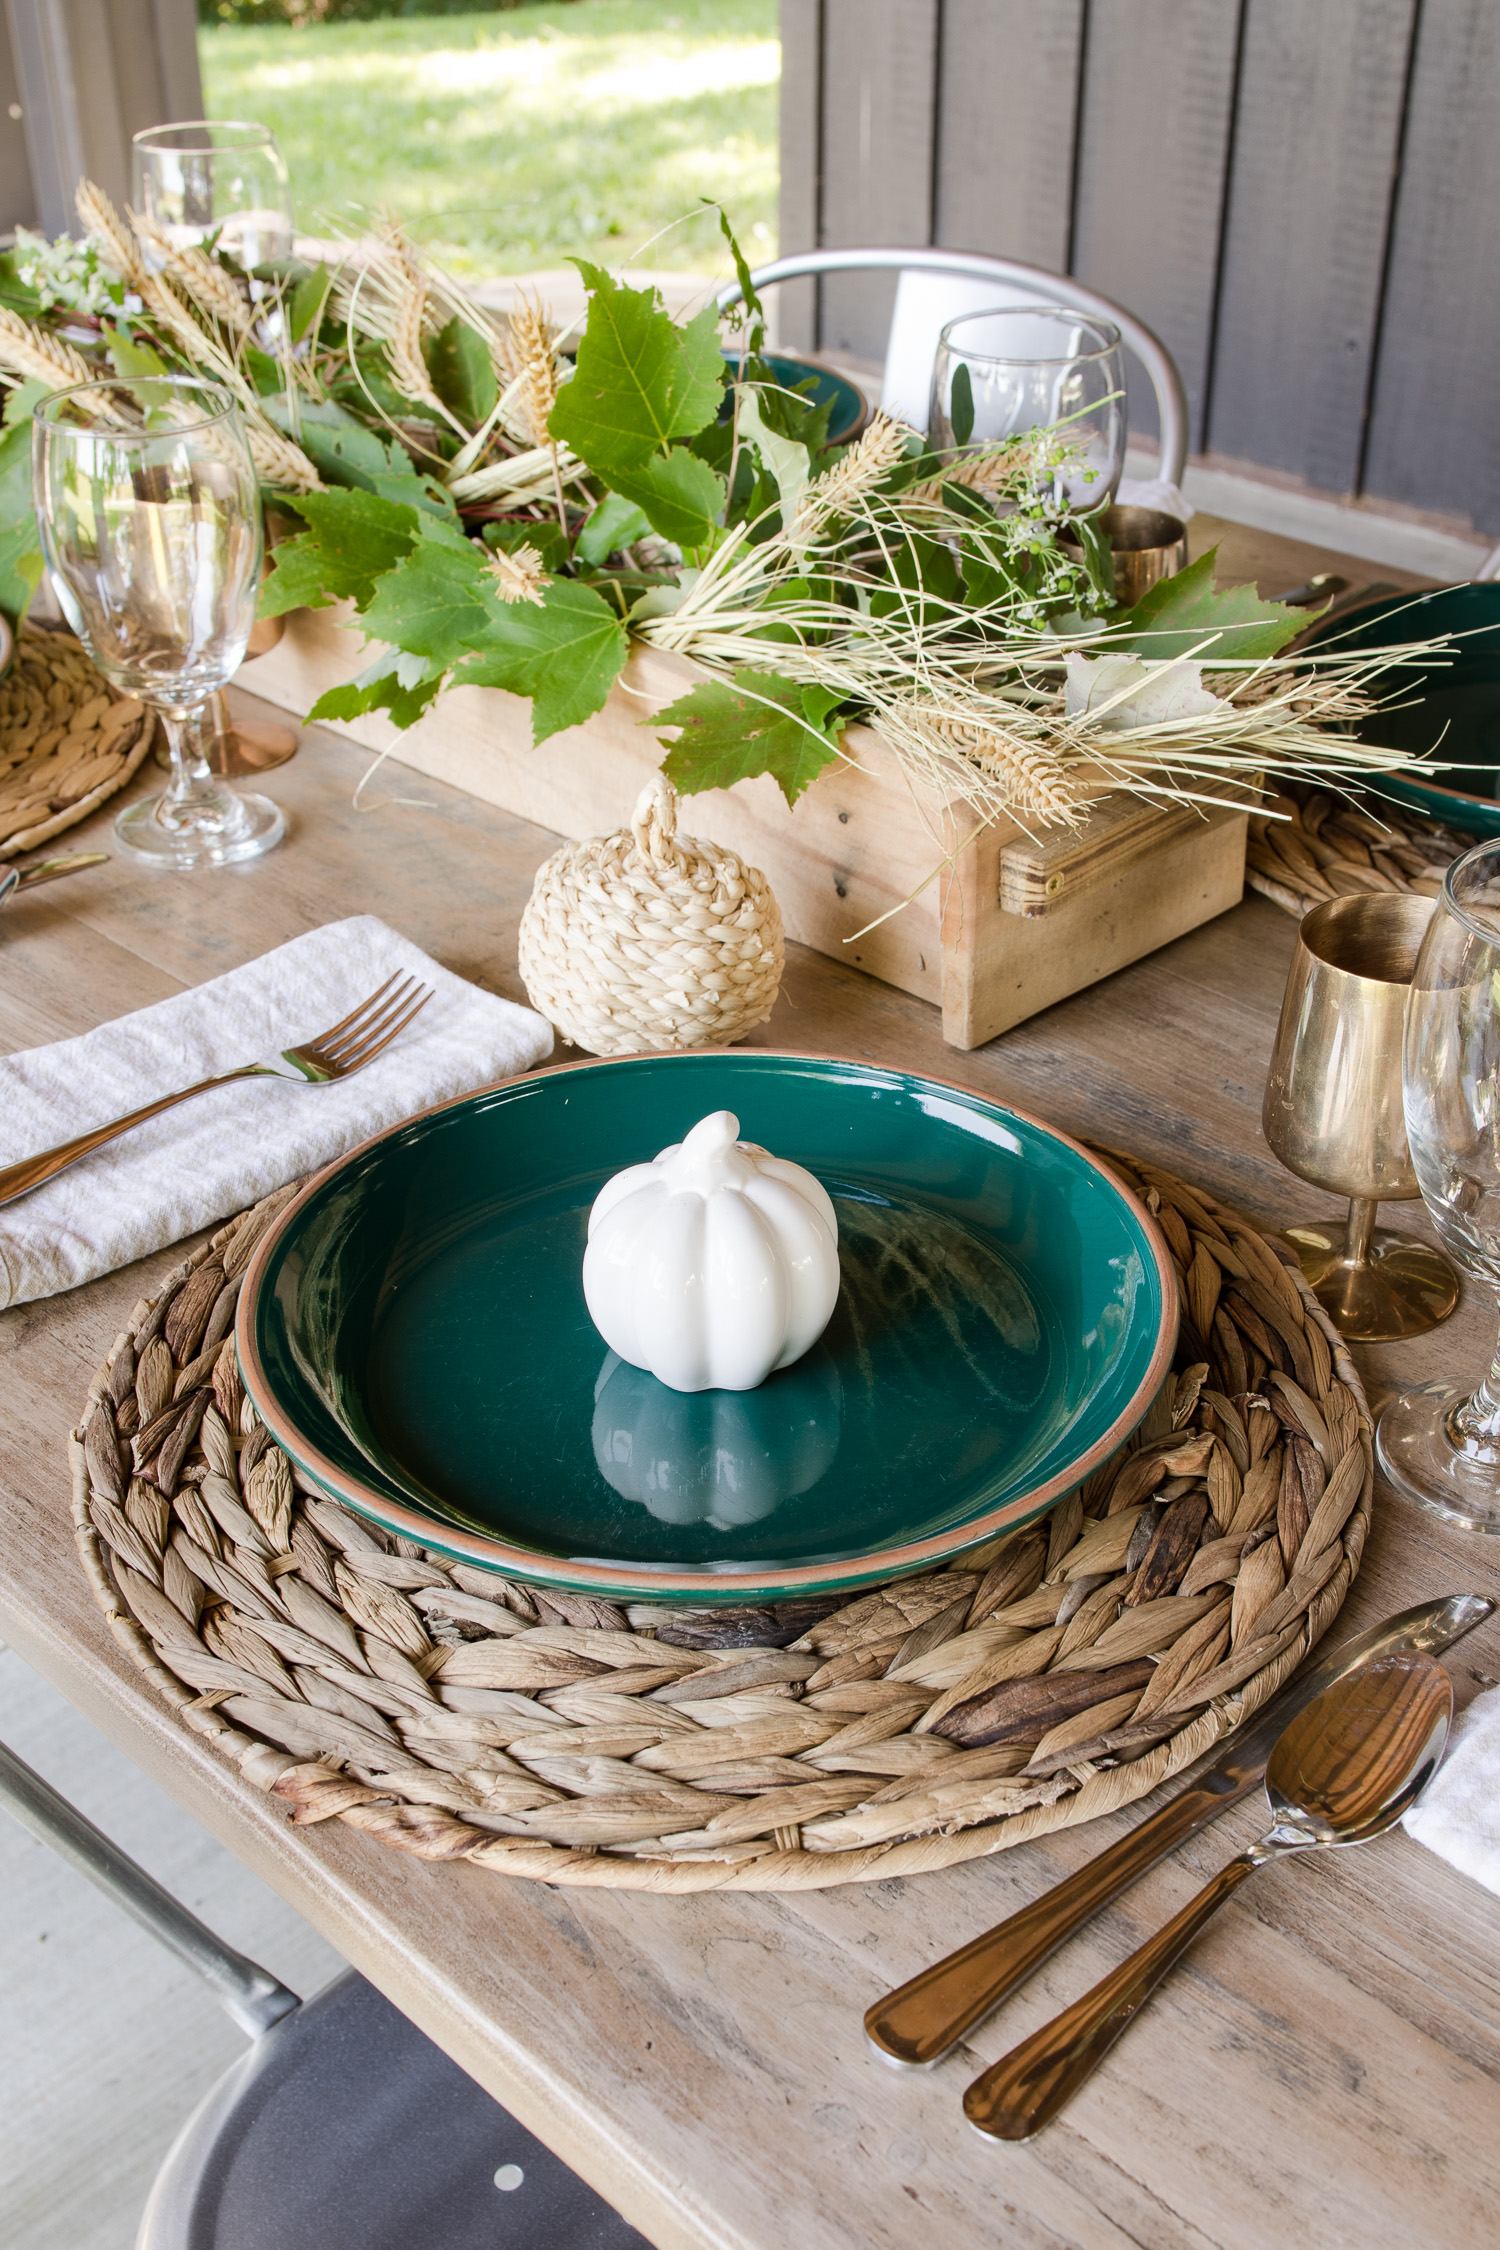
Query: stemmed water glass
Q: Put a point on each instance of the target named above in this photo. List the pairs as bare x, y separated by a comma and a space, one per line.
999, 374
1440, 1443
223, 182
149, 511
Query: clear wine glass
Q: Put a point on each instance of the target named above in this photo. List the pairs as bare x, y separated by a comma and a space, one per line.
215, 182
1440, 1443
149, 511
1037, 367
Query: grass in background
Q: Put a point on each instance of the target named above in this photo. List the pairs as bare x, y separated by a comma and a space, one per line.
513, 140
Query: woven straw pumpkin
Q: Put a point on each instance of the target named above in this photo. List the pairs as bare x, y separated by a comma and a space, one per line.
651, 940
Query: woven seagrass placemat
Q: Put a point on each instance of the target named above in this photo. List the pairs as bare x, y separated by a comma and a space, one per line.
1324, 847
68, 740
1051, 1676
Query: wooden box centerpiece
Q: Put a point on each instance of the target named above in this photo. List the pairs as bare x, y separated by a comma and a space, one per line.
1004, 927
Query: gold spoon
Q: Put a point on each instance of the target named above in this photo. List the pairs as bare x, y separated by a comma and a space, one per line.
1345, 1771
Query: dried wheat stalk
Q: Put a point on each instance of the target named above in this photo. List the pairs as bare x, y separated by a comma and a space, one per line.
99, 218
838, 491
40, 357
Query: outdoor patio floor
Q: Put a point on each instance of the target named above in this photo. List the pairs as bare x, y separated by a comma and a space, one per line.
109, 2044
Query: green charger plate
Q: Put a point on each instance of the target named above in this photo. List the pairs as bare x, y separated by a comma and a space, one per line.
413, 1331
1449, 711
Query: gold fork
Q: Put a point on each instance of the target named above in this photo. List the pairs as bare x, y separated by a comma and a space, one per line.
336, 1053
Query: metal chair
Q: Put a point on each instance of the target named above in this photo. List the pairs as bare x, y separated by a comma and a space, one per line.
343, 2126
970, 282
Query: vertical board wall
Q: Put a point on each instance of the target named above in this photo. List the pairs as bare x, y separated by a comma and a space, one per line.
77, 79
1302, 197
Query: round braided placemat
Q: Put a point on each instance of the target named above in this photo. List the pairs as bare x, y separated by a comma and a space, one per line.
1054, 1675
68, 740
648, 940
1325, 848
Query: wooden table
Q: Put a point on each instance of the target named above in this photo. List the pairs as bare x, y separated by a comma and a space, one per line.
1323, 2069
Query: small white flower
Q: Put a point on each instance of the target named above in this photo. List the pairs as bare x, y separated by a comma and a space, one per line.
66, 273
518, 577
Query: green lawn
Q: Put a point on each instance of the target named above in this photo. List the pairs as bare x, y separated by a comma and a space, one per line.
513, 140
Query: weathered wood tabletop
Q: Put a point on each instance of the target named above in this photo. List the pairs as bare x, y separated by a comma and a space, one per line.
1325, 2068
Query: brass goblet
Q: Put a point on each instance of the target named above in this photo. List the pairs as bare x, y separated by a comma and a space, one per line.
1333, 1114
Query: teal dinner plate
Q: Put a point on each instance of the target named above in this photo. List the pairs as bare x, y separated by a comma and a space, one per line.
851, 409
1449, 710
413, 1331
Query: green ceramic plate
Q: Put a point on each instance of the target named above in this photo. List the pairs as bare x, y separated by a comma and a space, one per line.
1449, 710
414, 1332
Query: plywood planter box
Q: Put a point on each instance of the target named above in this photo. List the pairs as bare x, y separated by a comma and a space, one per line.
1007, 928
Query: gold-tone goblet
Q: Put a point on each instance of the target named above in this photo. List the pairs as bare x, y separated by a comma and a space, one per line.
1333, 1114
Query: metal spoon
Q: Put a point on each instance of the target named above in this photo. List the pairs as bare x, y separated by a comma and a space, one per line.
1345, 1771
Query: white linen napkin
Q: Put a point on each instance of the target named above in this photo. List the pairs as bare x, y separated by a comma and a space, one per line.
1458, 1813
222, 1151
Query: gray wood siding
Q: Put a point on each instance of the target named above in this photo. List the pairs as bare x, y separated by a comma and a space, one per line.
1301, 196
1321, 95
1434, 438
87, 75
879, 82
1158, 92
1007, 112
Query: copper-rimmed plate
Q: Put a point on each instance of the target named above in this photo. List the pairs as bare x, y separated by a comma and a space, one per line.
414, 1333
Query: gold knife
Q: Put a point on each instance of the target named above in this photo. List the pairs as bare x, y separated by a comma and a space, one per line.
46, 871
915, 2025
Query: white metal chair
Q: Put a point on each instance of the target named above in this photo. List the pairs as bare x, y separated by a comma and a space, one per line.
941, 285
342, 2127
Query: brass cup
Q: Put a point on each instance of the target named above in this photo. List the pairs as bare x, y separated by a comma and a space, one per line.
1333, 1115
1148, 546
243, 746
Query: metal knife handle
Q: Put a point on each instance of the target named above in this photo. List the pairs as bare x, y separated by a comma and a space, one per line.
919, 2022
1025, 2089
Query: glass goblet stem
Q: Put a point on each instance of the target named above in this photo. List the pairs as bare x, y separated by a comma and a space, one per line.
194, 800
1474, 1424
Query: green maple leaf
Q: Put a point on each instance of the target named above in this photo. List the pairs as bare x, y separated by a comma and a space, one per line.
399, 684
463, 375
679, 495
308, 300
20, 550
1182, 612
128, 356
755, 723
614, 523
641, 380
439, 601
564, 653
354, 538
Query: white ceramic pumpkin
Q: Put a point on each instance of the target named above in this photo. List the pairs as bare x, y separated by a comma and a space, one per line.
714, 1264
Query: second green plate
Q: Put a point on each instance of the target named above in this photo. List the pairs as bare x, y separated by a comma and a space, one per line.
414, 1333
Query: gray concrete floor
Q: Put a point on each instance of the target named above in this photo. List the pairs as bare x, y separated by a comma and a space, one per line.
105, 2043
